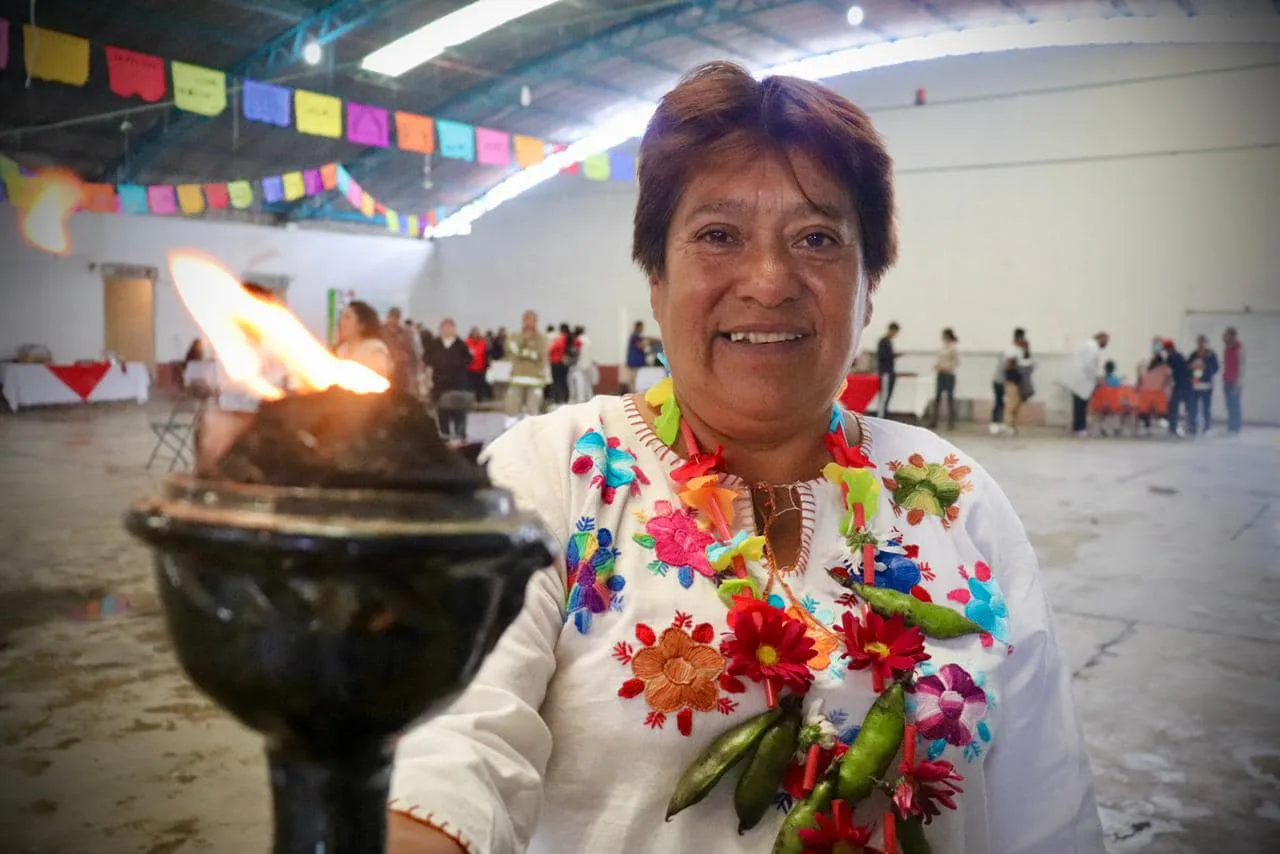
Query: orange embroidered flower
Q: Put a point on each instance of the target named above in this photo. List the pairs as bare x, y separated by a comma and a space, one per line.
824, 643
677, 672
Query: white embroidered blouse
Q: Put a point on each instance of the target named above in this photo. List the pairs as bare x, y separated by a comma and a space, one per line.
611, 681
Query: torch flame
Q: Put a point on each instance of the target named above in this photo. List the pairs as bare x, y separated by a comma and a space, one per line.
54, 195
245, 331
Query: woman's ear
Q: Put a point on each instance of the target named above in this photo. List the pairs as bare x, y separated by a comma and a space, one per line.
657, 297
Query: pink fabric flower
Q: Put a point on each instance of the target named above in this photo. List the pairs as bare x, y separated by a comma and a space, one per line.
949, 705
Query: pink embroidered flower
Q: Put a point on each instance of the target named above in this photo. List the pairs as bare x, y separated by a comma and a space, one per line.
949, 705
924, 786
677, 539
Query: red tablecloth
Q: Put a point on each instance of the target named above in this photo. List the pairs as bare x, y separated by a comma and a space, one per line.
81, 378
859, 391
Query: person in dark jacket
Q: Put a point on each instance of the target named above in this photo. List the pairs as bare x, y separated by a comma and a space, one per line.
886, 367
449, 358
1180, 396
1204, 370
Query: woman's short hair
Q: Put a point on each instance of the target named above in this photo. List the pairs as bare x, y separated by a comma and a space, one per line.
366, 318
718, 108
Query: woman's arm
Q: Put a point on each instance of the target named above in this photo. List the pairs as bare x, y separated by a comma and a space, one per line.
474, 773
1038, 780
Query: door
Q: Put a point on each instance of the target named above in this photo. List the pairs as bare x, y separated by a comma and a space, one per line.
130, 319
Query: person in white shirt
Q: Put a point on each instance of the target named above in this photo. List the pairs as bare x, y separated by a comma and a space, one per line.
583, 374
1014, 353
707, 575
1082, 378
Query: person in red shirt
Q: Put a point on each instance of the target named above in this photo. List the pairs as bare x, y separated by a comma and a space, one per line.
1232, 375
479, 347
559, 369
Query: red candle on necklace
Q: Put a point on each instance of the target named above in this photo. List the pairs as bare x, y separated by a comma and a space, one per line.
869, 564
770, 692
909, 745
877, 680
811, 762
890, 833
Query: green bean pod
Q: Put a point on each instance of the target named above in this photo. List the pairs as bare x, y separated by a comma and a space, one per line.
805, 815
936, 621
764, 772
728, 749
871, 753
911, 837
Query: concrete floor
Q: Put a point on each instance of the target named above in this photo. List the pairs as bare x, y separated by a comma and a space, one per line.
1160, 558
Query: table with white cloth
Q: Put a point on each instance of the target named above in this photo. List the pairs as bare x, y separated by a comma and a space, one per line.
911, 393
33, 384
648, 377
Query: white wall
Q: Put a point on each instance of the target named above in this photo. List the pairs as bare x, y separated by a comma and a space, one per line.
59, 301
1120, 207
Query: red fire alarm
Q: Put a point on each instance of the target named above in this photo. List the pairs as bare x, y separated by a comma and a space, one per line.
921, 97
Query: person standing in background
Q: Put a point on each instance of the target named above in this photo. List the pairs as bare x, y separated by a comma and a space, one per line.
1232, 375
1017, 382
558, 357
479, 348
1014, 352
402, 351
1204, 368
583, 376
1180, 396
527, 353
946, 367
886, 367
361, 339
451, 394
637, 350
1082, 378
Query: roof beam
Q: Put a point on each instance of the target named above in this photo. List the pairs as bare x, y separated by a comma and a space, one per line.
285, 49
1020, 10
569, 62
928, 7
716, 44
284, 10
751, 26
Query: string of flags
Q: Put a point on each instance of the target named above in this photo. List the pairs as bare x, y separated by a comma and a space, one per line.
63, 58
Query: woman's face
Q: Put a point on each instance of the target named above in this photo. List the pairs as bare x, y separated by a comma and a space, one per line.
348, 326
761, 281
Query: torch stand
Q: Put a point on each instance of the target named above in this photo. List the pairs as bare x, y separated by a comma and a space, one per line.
329, 620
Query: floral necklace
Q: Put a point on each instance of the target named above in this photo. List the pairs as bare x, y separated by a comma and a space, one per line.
768, 646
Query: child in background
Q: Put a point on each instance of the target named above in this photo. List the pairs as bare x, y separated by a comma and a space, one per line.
1112, 379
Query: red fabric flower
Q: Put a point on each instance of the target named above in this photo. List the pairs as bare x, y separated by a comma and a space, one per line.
767, 644
837, 834
886, 646
699, 464
925, 785
844, 454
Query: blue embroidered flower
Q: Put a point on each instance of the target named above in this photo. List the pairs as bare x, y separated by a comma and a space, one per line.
983, 602
612, 466
594, 588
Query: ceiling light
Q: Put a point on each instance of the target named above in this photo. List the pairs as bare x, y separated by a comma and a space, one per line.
427, 42
855, 16
312, 54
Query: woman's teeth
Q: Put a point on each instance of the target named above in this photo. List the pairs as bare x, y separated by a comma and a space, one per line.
762, 337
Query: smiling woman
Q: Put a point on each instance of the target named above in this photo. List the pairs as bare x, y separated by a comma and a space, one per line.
724, 605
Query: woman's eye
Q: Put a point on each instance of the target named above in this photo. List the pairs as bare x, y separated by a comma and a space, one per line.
715, 235
818, 240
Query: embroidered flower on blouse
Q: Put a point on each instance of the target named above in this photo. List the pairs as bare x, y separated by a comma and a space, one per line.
766, 644
983, 603
677, 671
824, 643
612, 467
594, 588
678, 543
925, 785
949, 705
928, 489
887, 647
837, 834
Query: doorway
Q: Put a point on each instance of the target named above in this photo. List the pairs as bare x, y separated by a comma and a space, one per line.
129, 319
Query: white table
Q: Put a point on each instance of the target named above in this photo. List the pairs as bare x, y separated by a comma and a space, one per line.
911, 393
648, 377
36, 385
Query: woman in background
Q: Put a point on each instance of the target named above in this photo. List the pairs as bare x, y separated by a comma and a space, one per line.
360, 338
583, 375
947, 365
1017, 383
479, 347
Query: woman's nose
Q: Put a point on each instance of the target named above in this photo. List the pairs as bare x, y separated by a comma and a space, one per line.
769, 277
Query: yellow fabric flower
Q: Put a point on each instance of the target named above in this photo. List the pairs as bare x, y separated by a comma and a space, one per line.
704, 494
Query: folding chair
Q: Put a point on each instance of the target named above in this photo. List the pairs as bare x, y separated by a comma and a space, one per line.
174, 435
